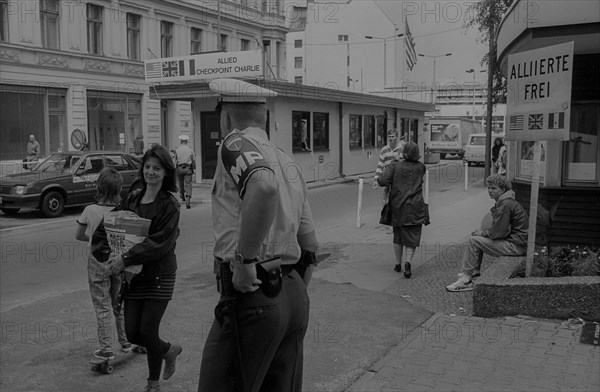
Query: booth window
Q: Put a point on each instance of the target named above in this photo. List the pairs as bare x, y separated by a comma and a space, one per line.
370, 131
355, 127
381, 131
321, 131
300, 131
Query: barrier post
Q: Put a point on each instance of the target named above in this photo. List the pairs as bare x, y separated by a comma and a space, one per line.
359, 206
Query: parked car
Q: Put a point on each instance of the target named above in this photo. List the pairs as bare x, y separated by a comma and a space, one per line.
475, 147
64, 179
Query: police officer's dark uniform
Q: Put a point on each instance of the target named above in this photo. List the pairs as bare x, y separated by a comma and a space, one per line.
270, 329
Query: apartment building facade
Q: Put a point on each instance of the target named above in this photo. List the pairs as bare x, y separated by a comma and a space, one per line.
78, 64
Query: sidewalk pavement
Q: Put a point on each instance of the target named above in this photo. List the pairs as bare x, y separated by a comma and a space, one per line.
453, 350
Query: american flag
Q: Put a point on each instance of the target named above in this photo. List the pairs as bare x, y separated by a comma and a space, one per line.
516, 123
535, 121
556, 120
411, 54
154, 70
170, 68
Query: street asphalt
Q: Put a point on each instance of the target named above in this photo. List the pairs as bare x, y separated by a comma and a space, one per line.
371, 329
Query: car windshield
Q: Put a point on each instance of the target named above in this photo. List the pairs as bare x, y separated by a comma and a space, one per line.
478, 141
57, 163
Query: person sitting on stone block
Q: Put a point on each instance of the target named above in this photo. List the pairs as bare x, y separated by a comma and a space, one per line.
506, 236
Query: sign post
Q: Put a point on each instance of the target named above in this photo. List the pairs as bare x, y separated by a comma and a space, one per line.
538, 109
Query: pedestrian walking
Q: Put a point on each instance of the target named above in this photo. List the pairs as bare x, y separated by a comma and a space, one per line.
104, 287
186, 164
138, 145
409, 212
498, 144
151, 290
507, 235
261, 221
392, 151
33, 152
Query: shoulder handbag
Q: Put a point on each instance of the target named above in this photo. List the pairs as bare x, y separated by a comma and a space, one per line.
386, 215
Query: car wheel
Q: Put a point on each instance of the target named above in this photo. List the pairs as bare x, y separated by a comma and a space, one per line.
10, 211
53, 204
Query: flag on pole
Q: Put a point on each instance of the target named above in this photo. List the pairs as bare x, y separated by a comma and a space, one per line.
411, 54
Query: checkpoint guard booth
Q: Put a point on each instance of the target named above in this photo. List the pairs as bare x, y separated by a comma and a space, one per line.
330, 133
552, 66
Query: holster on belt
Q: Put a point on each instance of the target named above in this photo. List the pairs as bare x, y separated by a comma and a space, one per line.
267, 271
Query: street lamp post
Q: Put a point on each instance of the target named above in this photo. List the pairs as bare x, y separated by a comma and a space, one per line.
471, 70
384, 39
434, 59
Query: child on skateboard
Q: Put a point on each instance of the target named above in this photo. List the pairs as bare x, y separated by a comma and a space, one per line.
104, 287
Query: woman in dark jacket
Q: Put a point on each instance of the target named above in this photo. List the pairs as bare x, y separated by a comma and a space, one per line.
408, 206
496, 153
151, 290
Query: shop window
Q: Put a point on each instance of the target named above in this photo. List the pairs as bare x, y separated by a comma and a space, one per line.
114, 120
49, 18
166, 39
195, 40
300, 131
320, 131
133, 36
355, 131
94, 28
583, 155
370, 137
381, 130
28, 111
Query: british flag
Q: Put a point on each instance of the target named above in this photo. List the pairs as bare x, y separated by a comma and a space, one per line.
535, 121
170, 68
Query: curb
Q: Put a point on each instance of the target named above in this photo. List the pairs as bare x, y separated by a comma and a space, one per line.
362, 384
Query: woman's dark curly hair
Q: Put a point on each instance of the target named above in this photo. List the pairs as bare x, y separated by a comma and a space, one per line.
157, 151
411, 152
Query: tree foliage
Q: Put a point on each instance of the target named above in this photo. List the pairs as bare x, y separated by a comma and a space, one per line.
486, 16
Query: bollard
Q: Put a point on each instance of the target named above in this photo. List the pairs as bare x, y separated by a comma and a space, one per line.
466, 175
359, 206
426, 186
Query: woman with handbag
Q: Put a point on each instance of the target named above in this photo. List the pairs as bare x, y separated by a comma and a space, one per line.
408, 209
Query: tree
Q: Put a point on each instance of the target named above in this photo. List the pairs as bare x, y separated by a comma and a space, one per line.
486, 15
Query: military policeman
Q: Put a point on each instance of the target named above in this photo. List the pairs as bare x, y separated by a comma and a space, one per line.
185, 161
260, 212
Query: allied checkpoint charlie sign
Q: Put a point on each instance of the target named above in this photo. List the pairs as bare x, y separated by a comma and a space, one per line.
205, 66
539, 93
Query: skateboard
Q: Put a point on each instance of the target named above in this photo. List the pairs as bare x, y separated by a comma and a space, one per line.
106, 366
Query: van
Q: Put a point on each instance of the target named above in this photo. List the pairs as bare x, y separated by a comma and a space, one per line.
475, 147
448, 135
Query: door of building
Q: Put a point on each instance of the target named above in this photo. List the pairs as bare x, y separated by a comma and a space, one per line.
211, 139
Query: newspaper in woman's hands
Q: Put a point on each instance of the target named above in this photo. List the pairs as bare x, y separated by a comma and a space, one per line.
124, 229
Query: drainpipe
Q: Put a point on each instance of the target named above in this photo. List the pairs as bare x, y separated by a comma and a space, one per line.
341, 139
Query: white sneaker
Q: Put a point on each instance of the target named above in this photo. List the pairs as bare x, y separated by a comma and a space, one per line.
462, 284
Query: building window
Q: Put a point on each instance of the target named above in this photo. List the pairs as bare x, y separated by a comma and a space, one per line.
297, 43
50, 18
114, 120
34, 111
245, 44
381, 131
343, 38
356, 137
370, 137
133, 36
298, 79
298, 62
320, 131
301, 131
94, 28
166, 39
223, 42
195, 40
4, 20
